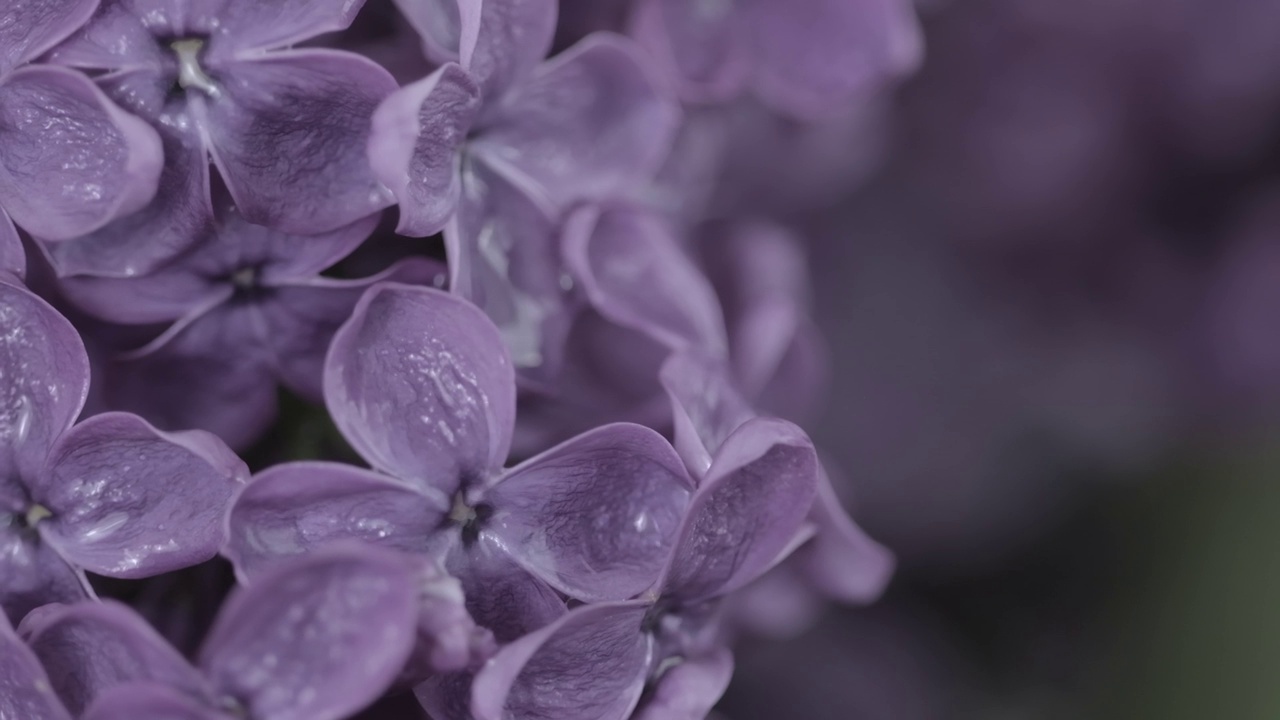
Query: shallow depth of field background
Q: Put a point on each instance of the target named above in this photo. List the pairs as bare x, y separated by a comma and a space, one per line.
1049, 270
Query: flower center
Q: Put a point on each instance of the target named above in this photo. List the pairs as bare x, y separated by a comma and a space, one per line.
470, 518
35, 514
245, 278
190, 73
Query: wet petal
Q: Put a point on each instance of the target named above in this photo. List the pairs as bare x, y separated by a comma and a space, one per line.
813, 56
591, 123
749, 510
34, 573
150, 701
13, 259
414, 148
688, 690
841, 560
318, 638
420, 384
116, 38
439, 23
589, 665
289, 135
297, 507
90, 647
448, 638
511, 38
595, 517
500, 595
706, 406
130, 501
636, 274
703, 46
70, 160
44, 378
25, 692
248, 25
30, 27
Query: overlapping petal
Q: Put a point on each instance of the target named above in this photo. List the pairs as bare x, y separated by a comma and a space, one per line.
30, 27
247, 26
130, 501
703, 45
502, 41
13, 259
25, 692
690, 689
151, 701
289, 135
595, 517
706, 406
315, 639
70, 160
422, 386
297, 507
842, 560
500, 596
34, 574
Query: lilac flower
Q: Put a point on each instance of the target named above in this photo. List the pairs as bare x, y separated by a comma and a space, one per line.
251, 311
803, 57
25, 692
112, 494
316, 639
70, 160
286, 128
594, 661
493, 150
422, 387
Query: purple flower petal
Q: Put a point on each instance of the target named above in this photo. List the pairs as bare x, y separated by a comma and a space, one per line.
90, 647
690, 689
130, 501
636, 274
703, 46
590, 123
500, 596
70, 160
414, 147
13, 259
289, 136
297, 507
706, 406
842, 560
44, 378
25, 693
115, 38
589, 665
151, 701
509, 40
597, 516
245, 26
30, 27
315, 639
421, 385
448, 638
747, 512
34, 573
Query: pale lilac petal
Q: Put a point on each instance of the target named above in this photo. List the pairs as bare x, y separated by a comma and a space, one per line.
34, 573
318, 638
690, 689
702, 46
248, 25
302, 317
636, 274
289, 136
813, 56
70, 160
30, 27
25, 693
842, 560
13, 259
44, 379
500, 596
90, 647
446, 696
163, 296
705, 405
415, 145
178, 217
597, 516
589, 124
131, 501
748, 511
510, 38
421, 385
297, 507
116, 38
151, 701
439, 24
448, 638
504, 256
589, 665
289, 257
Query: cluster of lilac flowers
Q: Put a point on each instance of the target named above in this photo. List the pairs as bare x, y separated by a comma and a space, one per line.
557, 461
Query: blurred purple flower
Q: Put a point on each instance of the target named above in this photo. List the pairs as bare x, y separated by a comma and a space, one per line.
25, 691
316, 639
111, 494
285, 127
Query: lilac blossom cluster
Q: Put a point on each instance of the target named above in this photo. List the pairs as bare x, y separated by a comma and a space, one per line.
562, 459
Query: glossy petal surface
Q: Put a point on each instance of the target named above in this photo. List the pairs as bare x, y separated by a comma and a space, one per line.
30, 27
316, 639
25, 693
34, 574
706, 406
70, 160
421, 385
90, 647
297, 507
500, 595
689, 690
131, 501
247, 25
290, 137
589, 665
595, 517
748, 510
13, 259
44, 377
